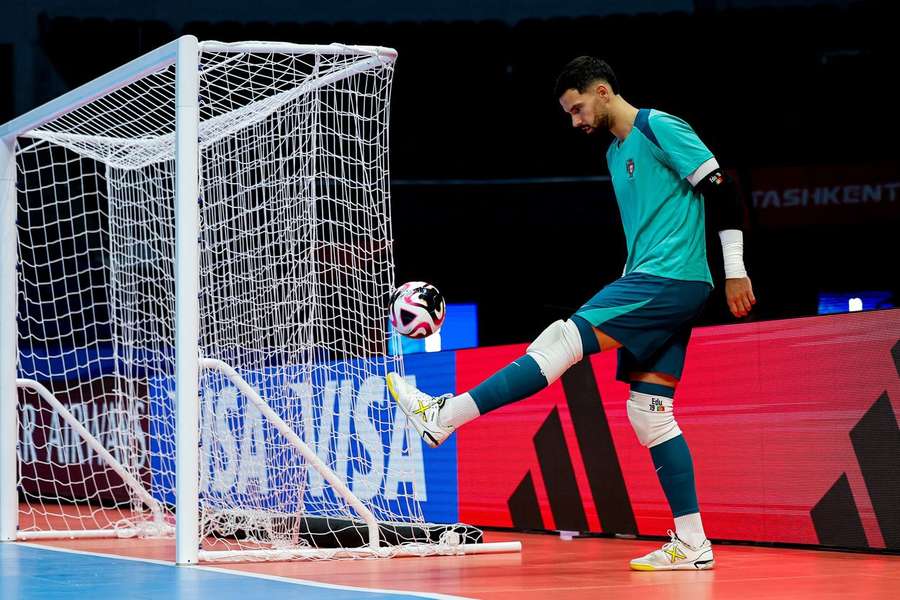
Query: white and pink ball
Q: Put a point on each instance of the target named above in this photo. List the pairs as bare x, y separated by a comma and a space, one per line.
417, 309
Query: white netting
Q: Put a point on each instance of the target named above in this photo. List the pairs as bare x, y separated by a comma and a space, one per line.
296, 267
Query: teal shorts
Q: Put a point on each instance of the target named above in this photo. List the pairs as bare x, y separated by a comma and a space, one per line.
652, 317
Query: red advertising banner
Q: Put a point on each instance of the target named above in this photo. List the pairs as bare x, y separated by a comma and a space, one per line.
839, 194
792, 425
56, 463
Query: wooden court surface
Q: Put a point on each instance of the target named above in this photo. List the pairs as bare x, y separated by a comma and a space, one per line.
550, 568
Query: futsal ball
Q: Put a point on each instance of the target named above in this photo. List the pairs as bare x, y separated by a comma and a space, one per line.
417, 309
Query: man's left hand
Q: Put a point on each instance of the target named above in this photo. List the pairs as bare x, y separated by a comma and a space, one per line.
739, 293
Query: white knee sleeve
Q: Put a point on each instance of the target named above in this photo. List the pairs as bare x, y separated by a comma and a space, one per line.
652, 418
556, 349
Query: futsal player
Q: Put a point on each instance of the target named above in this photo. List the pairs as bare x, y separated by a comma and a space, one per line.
661, 173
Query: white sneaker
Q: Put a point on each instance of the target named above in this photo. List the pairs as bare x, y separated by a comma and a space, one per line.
422, 410
676, 555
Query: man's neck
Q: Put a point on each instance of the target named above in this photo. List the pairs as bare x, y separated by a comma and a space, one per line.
622, 116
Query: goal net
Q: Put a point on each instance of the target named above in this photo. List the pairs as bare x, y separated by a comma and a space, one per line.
296, 450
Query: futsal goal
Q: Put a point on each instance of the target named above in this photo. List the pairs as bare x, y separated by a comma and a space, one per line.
196, 262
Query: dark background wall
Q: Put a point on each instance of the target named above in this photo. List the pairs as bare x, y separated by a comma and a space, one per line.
521, 218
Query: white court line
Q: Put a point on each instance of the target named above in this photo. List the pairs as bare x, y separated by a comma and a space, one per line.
100, 554
318, 584
338, 587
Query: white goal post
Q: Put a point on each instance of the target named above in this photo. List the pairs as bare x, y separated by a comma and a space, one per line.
195, 258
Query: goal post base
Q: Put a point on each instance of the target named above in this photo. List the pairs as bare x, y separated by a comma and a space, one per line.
417, 550
336, 533
142, 530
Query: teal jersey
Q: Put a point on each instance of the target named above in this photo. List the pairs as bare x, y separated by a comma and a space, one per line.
662, 215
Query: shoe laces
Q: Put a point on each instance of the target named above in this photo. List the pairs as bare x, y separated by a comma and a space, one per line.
438, 403
435, 402
441, 400
673, 541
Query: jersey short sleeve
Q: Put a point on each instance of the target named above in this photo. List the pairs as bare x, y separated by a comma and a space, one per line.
680, 147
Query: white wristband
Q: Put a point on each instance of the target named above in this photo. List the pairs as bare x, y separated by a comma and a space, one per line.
733, 253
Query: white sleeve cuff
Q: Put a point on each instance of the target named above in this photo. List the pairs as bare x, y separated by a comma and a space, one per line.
702, 171
733, 253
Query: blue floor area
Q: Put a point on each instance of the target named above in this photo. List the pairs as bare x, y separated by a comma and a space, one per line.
29, 573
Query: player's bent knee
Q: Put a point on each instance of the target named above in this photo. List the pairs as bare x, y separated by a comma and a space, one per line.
556, 349
652, 419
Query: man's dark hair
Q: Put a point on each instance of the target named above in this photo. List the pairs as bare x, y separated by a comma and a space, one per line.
581, 72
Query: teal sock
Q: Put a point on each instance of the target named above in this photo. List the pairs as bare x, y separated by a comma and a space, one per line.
675, 470
517, 380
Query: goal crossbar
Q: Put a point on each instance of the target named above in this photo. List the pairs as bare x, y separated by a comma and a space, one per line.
211, 130
153, 61
70, 101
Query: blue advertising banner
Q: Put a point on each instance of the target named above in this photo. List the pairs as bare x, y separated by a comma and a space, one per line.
341, 410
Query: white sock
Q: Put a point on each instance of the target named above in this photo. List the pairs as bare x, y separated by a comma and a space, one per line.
689, 529
459, 410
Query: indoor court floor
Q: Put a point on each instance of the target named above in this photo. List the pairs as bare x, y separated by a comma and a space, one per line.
547, 568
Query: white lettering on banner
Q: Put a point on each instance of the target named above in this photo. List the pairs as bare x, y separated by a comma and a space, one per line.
318, 433
253, 454
54, 440
234, 439
76, 455
837, 195
328, 436
27, 452
223, 450
367, 474
409, 464
116, 431
827, 195
345, 405
57, 442
93, 423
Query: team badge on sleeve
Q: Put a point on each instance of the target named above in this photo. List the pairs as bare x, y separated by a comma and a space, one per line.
629, 166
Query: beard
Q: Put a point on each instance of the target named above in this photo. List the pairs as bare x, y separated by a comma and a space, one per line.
600, 124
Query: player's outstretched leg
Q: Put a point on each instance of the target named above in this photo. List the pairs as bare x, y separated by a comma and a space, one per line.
559, 347
650, 412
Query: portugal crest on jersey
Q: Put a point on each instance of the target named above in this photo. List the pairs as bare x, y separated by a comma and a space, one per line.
629, 166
